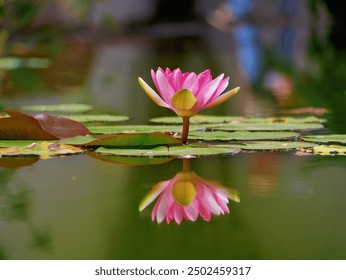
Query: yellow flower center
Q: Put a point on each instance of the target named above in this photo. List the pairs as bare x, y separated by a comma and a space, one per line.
184, 101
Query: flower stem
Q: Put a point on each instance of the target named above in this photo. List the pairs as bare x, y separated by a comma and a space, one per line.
186, 165
185, 132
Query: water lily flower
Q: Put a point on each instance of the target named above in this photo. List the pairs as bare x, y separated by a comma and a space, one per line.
187, 93
188, 196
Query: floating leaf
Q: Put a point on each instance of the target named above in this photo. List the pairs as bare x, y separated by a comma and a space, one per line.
332, 138
178, 151
16, 143
76, 140
284, 119
135, 140
329, 150
242, 135
43, 149
58, 108
197, 119
137, 129
207, 119
97, 118
274, 145
131, 161
269, 126
38, 127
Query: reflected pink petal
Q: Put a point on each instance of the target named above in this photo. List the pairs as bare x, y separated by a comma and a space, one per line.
211, 198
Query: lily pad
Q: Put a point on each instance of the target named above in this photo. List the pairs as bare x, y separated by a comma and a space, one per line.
242, 135
329, 150
208, 119
284, 119
275, 145
178, 151
197, 119
269, 126
138, 128
332, 138
97, 118
43, 149
76, 108
77, 140
21, 126
17, 143
135, 140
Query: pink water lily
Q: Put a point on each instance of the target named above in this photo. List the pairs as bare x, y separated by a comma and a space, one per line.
188, 196
187, 93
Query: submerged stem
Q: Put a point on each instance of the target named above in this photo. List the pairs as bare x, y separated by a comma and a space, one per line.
185, 132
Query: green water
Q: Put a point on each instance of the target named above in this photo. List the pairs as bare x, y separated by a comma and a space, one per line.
81, 208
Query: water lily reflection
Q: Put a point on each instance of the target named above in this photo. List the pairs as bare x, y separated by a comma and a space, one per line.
188, 196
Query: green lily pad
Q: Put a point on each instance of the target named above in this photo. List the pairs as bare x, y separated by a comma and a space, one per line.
138, 128
135, 140
177, 151
329, 150
275, 145
197, 119
332, 138
284, 119
269, 126
77, 140
43, 149
17, 143
97, 118
208, 119
58, 108
242, 135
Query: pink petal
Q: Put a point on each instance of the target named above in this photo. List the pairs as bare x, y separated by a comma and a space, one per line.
191, 83
170, 213
178, 214
222, 98
191, 211
207, 198
177, 80
153, 194
164, 206
207, 91
204, 78
222, 200
165, 88
222, 86
152, 94
153, 76
154, 211
168, 71
204, 213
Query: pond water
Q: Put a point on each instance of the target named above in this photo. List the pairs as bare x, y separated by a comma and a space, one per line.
79, 207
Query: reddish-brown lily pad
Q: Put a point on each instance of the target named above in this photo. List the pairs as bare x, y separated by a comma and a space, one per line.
39, 127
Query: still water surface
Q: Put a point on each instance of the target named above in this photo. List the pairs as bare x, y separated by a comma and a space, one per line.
82, 208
